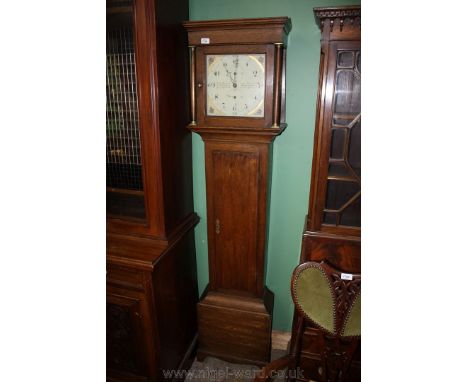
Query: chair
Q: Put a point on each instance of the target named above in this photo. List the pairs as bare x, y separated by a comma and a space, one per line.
331, 302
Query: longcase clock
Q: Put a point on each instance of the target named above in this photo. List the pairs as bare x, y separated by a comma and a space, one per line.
237, 106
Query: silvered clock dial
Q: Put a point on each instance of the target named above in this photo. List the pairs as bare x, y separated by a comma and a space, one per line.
235, 85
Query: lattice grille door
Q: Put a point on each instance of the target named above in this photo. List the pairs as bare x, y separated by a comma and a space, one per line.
343, 196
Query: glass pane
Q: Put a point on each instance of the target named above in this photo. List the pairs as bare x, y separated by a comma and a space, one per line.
346, 59
343, 203
338, 169
347, 91
337, 143
330, 218
125, 195
351, 216
339, 193
354, 155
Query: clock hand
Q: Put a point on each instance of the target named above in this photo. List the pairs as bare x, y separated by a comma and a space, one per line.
234, 82
229, 73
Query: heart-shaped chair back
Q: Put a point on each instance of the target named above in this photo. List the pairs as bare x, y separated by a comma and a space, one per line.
329, 298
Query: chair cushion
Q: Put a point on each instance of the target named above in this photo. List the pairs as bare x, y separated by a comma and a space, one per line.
312, 291
352, 324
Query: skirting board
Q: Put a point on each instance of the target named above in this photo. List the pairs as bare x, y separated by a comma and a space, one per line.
280, 340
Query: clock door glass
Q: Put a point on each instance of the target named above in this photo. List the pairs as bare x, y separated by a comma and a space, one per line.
235, 85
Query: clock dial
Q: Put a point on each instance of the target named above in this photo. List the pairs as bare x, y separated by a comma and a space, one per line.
235, 85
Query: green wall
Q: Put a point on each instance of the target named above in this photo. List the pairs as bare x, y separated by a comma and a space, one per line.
292, 151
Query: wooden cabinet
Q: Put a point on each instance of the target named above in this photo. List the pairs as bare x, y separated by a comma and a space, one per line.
151, 306
237, 107
151, 268
333, 226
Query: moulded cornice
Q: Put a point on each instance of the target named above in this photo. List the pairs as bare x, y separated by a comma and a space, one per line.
331, 13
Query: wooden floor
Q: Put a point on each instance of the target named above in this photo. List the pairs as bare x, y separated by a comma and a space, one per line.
216, 370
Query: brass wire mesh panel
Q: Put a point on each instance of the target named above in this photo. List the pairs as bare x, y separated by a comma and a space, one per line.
122, 119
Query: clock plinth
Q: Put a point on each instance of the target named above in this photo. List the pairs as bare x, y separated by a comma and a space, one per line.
237, 106
235, 328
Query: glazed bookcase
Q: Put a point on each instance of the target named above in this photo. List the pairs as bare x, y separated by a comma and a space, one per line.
332, 231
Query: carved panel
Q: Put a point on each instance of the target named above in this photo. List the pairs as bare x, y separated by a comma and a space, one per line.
320, 355
345, 292
337, 355
122, 337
